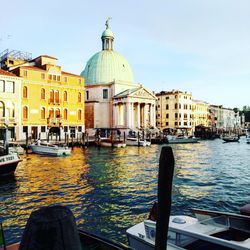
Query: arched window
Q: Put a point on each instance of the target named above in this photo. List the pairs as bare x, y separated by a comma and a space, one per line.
79, 114
43, 93
176, 106
79, 97
51, 113
51, 96
57, 113
43, 113
65, 96
2, 109
57, 97
25, 92
25, 112
65, 114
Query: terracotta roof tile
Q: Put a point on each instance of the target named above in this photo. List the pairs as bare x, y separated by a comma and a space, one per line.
6, 73
66, 73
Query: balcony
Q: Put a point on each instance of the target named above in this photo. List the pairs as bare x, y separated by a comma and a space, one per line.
54, 122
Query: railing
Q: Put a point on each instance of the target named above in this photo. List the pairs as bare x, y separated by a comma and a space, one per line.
54, 101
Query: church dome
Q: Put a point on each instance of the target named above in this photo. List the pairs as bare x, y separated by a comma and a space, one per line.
107, 65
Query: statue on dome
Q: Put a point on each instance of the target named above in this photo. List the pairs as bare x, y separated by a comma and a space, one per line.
107, 22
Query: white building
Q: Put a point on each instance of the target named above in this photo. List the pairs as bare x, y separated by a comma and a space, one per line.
112, 98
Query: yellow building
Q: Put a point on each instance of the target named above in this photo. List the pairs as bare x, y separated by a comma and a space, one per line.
174, 110
10, 103
52, 100
200, 113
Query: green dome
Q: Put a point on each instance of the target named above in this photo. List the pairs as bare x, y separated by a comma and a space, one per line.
107, 33
107, 66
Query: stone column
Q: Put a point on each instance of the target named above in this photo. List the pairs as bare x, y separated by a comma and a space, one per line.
128, 114
145, 115
132, 123
139, 115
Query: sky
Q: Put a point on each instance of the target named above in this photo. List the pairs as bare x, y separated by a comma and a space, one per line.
198, 46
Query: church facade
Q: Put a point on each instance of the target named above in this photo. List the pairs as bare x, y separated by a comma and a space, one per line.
112, 98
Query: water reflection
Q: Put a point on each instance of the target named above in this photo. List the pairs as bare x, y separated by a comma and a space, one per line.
109, 190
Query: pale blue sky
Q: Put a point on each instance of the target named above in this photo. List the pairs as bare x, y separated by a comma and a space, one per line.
197, 46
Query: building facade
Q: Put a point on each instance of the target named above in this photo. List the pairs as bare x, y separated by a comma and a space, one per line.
10, 104
112, 98
52, 101
200, 111
174, 110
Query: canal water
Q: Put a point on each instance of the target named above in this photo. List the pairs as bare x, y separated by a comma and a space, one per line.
109, 190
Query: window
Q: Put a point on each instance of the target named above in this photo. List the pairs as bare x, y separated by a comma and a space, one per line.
65, 96
65, 79
50, 77
65, 129
176, 115
167, 116
51, 113
25, 92
42, 76
2, 109
79, 129
185, 123
176, 123
180, 115
54, 77
25, 73
166, 123
1, 86
9, 87
179, 106
58, 78
176, 96
79, 115
105, 94
167, 107
167, 97
176, 106
42, 93
79, 97
43, 129
57, 100
51, 96
57, 113
87, 94
42, 113
25, 112
65, 114
79, 81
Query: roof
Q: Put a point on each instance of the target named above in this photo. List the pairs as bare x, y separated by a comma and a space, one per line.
45, 56
32, 67
126, 92
67, 73
105, 67
6, 73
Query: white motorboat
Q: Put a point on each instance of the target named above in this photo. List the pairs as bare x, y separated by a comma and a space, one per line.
111, 143
8, 163
208, 230
133, 141
181, 139
16, 148
46, 148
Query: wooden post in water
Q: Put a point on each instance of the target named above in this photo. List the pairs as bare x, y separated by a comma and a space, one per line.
165, 178
83, 140
6, 141
72, 142
112, 138
138, 138
87, 136
124, 137
27, 141
65, 138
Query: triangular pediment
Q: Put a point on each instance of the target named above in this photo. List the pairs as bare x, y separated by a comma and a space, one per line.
143, 93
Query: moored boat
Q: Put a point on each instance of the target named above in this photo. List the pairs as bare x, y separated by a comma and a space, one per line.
208, 230
230, 138
112, 143
45, 148
133, 141
181, 139
8, 163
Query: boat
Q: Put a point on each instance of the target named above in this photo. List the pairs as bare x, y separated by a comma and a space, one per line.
181, 139
107, 142
230, 138
46, 148
248, 135
59, 220
208, 230
133, 141
8, 163
16, 148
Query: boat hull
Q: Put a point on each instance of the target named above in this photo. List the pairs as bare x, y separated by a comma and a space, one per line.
8, 164
116, 144
134, 142
52, 151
